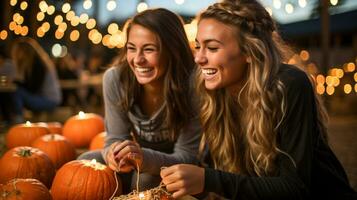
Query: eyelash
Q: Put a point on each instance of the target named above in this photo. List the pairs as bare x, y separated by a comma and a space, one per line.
133, 49
212, 48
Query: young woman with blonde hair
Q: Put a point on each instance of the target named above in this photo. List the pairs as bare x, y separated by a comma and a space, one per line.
263, 125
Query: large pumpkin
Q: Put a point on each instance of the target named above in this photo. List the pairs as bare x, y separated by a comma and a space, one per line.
82, 128
26, 162
24, 189
57, 147
53, 127
24, 134
85, 180
98, 141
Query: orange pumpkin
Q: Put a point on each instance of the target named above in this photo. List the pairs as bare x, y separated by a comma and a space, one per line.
24, 189
24, 134
26, 162
53, 127
57, 147
98, 141
82, 128
85, 180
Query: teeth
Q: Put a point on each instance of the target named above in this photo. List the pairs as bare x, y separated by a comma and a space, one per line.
143, 69
209, 71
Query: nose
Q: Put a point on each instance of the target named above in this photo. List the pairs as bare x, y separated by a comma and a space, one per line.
200, 57
139, 58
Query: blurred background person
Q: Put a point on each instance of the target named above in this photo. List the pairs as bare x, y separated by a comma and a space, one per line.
7, 74
68, 69
38, 88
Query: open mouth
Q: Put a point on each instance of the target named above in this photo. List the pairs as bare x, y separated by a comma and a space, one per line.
209, 71
144, 69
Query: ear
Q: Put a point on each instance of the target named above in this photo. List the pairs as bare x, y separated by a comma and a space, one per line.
248, 60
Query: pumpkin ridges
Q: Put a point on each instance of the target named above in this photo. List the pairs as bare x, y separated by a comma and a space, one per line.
81, 130
58, 148
83, 181
98, 141
29, 189
24, 135
38, 166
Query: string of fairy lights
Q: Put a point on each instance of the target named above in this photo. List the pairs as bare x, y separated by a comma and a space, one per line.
344, 76
115, 38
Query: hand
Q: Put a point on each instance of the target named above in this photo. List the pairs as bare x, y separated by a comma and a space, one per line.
183, 179
128, 154
112, 164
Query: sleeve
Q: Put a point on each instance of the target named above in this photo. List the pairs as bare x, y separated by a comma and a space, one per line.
185, 150
295, 138
117, 123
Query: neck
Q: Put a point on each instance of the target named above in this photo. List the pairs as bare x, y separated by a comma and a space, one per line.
153, 89
152, 98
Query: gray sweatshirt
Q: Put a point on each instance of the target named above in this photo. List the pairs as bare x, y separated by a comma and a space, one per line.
151, 132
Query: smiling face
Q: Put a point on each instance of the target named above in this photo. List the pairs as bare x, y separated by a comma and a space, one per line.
218, 55
143, 55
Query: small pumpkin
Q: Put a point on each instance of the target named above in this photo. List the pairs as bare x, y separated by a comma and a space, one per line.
57, 147
26, 162
24, 134
53, 127
98, 141
24, 189
85, 180
82, 128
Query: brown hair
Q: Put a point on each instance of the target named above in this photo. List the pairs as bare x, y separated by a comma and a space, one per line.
175, 55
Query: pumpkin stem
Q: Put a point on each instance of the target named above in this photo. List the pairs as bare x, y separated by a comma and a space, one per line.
25, 153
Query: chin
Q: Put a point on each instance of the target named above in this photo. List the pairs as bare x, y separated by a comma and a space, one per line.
211, 86
142, 81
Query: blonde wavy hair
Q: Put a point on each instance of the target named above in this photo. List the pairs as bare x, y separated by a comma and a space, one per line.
241, 130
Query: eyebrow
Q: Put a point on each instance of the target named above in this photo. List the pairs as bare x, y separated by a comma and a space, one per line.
145, 45
209, 40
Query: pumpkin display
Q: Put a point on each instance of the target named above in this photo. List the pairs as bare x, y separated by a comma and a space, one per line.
53, 127
24, 189
98, 141
24, 134
85, 180
57, 147
82, 128
26, 162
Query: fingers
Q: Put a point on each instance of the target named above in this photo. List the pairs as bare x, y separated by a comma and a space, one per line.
124, 166
177, 188
111, 162
168, 171
125, 148
124, 156
179, 194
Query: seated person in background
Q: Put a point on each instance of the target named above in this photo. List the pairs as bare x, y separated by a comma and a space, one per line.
7, 68
7, 74
149, 95
38, 87
67, 69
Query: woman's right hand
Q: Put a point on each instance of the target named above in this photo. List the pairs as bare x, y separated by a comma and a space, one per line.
110, 157
183, 179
